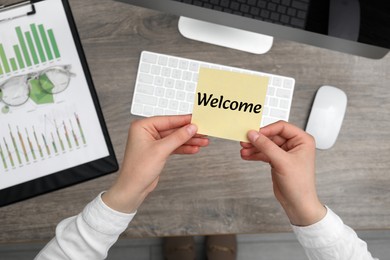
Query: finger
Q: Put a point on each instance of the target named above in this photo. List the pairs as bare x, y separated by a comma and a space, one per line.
187, 149
278, 140
246, 145
282, 129
163, 123
170, 131
256, 156
179, 137
265, 145
249, 151
288, 135
201, 142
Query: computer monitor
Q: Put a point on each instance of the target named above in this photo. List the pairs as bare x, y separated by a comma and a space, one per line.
358, 27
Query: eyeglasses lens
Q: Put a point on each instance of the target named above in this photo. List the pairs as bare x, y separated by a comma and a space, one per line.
15, 92
54, 81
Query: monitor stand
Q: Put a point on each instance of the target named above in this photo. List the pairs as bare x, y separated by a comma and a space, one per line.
225, 36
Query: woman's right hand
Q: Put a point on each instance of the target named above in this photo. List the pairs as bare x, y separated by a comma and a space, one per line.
290, 151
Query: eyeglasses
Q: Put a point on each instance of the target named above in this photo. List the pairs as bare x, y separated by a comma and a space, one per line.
16, 90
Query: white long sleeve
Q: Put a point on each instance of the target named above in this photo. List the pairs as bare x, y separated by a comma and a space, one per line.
88, 235
331, 239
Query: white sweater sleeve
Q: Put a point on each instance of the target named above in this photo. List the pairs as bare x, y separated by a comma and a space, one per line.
330, 238
88, 235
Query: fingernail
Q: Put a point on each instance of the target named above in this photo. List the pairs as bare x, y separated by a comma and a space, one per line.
253, 135
191, 129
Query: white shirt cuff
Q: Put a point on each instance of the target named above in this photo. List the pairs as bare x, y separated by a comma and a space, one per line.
104, 219
322, 233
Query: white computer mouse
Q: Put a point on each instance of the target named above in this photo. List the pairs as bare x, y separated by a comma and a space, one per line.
326, 116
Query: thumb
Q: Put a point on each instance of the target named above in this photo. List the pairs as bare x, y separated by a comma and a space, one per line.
265, 145
178, 137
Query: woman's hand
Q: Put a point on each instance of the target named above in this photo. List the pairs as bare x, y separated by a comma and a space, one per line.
149, 144
291, 153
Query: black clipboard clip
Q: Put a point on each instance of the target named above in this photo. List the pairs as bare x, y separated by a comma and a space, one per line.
17, 5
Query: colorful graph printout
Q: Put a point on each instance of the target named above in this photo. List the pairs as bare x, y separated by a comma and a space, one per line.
51, 130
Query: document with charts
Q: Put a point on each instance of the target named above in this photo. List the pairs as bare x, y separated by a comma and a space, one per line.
48, 121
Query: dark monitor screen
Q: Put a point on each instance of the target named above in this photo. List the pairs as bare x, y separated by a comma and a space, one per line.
360, 27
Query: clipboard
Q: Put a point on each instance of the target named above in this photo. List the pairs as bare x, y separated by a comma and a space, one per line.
52, 130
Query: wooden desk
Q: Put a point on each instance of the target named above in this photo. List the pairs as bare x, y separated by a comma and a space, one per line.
215, 191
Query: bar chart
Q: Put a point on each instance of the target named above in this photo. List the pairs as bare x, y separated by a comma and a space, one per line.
23, 145
35, 46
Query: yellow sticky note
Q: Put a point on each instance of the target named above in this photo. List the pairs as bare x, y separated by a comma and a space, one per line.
228, 104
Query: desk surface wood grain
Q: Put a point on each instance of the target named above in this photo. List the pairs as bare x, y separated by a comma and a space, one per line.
215, 191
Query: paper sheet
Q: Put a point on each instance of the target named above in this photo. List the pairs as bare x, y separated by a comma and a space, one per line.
228, 104
49, 132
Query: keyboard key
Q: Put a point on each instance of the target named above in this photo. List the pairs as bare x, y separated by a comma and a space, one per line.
251, 2
169, 83
173, 104
255, 11
282, 9
194, 66
225, 3
262, 3
176, 74
278, 113
297, 22
187, 75
137, 109
145, 78
145, 67
195, 77
190, 87
271, 91
268, 120
271, 6
234, 6
180, 84
155, 70
273, 102
158, 111
145, 99
166, 72
145, 89
163, 60
159, 81
173, 62
285, 19
265, 111
276, 81
184, 107
301, 14
170, 93
283, 93
148, 110
265, 13
163, 102
183, 64
284, 103
291, 11
170, 112
159, 92
149, 58
180, 95
275, 16
190, 97
287, 83
300, 5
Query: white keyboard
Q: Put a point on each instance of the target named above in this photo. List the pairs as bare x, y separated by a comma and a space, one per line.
166, 85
